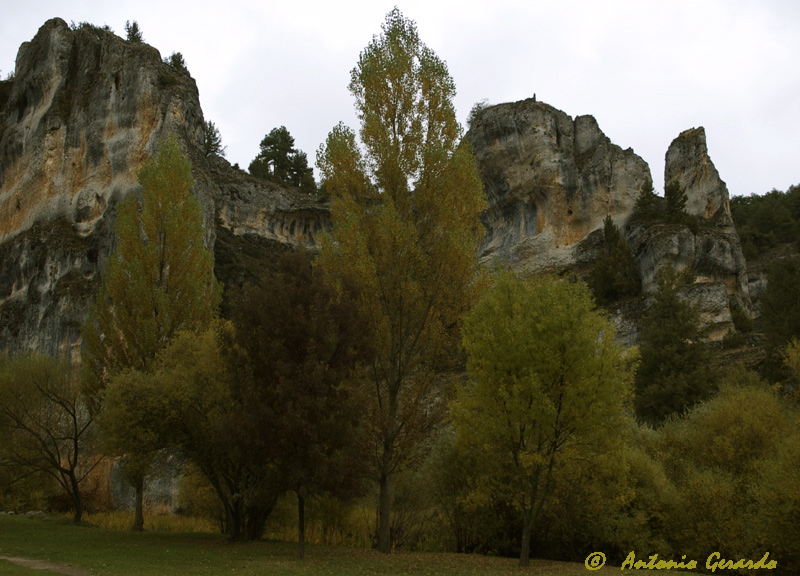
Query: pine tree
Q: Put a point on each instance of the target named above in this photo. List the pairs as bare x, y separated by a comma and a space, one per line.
674, 373
615, 275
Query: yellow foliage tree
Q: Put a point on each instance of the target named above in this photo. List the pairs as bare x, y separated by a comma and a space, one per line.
159, 280
406, 228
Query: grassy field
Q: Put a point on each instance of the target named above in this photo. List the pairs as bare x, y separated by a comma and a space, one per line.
119, 553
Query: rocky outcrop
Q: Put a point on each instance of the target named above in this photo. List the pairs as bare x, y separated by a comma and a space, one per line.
688, 164
709, 253
550, 181
84, 112
86, 109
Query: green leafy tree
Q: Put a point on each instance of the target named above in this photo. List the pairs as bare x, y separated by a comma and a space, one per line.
406, 226
303, 342
279, 160
674, 373
215, 417
46, 424
548, 385
212, 141
132, 32
159, 280
615, 275
717, 456
132, 428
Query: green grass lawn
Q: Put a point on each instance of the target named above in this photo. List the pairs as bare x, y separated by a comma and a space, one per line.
104, 552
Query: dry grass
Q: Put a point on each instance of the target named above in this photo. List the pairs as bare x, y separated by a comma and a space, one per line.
159, 522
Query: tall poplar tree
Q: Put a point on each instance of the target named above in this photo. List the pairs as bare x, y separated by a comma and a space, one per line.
406, 228
159, 280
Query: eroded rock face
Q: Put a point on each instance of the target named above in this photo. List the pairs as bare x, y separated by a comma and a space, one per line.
688, 163
85, 110
711, 255
550, 181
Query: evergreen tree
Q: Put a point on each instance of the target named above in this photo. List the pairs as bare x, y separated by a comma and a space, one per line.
132, 32
646, 206
674, 373
615, 275
279, 160
675, 197
212, 141
780, 306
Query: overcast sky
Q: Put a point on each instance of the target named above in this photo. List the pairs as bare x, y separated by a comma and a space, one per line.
646, 69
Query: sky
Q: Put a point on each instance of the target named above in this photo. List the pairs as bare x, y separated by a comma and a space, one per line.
645, 69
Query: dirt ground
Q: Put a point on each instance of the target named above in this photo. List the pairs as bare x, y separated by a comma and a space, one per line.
49, 566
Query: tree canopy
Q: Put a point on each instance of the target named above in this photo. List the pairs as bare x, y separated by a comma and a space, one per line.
45, 424
406, 227
303, 344
279, 160
159, 280
674, 373
132, 32
212, 141
548, 384
615, 275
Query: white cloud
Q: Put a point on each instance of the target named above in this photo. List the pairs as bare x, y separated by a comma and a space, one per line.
645, 70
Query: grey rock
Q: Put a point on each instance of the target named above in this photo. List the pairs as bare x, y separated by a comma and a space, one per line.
85, 111
550, 181
688, 163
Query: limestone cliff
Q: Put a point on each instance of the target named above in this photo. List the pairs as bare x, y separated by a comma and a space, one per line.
83, 113
711, 254
86, 109
551, 181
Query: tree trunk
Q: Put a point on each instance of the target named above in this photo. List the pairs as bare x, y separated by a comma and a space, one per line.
77, 499
138, 516
301, 525
525, 545
233, 515
384, 514
387, 468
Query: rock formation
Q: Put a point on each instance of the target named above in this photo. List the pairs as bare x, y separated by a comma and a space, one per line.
712, 254
83, 113
551, 181
86, 109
